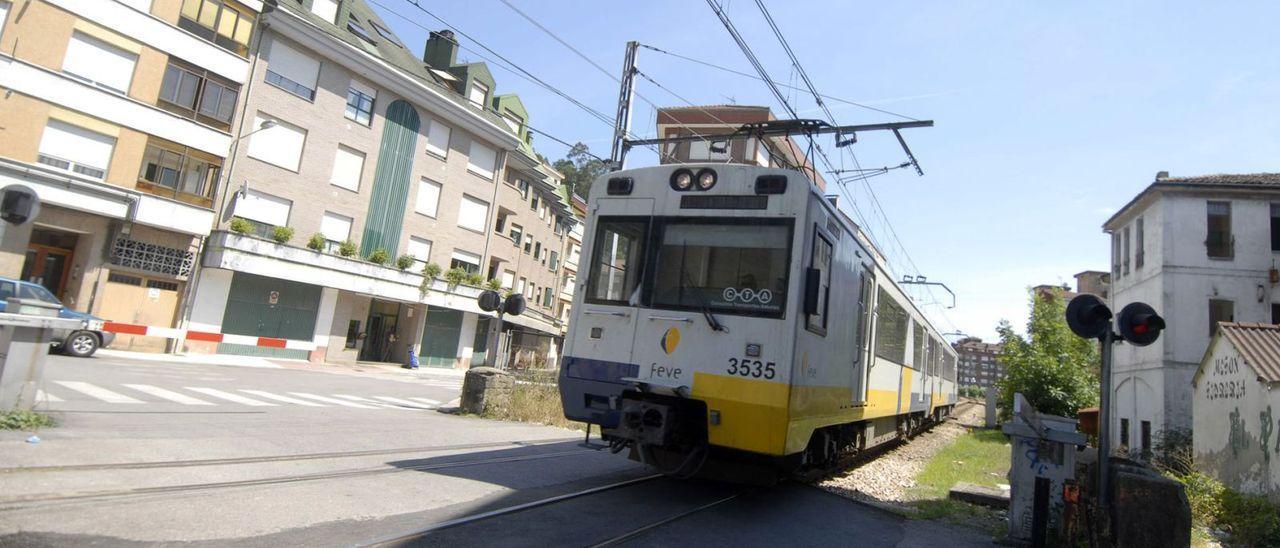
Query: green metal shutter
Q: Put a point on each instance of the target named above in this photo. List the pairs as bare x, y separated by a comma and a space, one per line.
440, 337
385, 219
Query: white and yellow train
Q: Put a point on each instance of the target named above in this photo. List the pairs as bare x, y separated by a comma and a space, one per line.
732, 314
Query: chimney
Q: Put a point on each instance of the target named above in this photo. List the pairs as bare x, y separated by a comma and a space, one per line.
441, 51
1162, 175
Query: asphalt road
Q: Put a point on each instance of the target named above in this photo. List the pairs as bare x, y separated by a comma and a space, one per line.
154, 452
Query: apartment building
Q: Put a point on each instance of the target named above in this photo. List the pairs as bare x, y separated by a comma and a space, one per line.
1200, 250
118, 114
364, 149
979, 365
572, 254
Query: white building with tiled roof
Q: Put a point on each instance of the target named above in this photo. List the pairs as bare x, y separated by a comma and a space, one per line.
1200, 250
1236, 419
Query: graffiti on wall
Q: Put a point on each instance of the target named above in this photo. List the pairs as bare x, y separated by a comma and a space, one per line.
1264, 434
1219, 388
1239, 439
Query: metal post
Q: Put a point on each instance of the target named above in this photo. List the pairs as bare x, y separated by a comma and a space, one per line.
491, 344
622, 123
1104, 421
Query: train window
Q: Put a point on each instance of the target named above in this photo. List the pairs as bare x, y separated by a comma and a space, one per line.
891, 328
615, 260
935, 356
725, 266
918, 356
820, 260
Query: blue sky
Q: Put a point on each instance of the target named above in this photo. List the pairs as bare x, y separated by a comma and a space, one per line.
1049, 115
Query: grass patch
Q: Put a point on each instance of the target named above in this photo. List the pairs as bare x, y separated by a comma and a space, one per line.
25, 420
535, 399
980, 457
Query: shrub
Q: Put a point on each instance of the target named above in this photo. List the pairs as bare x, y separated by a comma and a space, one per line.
405, 261
493, 284
431, 270
1250, 520
316, 242
1050, 366
474, 280
379, 256
455, 276
282, 234
1204, 493
241, 226
25, 420
347, 248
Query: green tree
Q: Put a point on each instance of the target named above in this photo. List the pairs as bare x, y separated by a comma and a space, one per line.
1052, 367
580, 169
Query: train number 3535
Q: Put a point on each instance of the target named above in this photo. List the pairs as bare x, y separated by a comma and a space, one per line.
752, 368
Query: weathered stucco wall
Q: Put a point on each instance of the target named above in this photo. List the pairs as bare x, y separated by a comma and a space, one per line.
1236, 424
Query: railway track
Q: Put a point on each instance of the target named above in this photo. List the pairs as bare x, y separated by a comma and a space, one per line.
23, 501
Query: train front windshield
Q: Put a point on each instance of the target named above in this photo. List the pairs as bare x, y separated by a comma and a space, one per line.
730, 266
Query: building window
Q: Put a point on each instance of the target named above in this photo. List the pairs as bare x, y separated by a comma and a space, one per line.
326, 9
500, 223
196, 94
478, 95
1220, 310
1146, 438
438, 139
1139, 234
481, 160
428, 197
547, 295
1125, 259
4, 15
354, 26
820, 260
1124, 433
1275, 313
75, 149
385, 33
420, 250
336, 229
1275, 227
537, 250
360, 103
469, 262
1115, 255
528, 243
513, 121
523, 186
280, 145
348, 166
179, 168
99, 63
292, 70
516, 233
265, 209
555, 260
473, 214
521, 285
508, 279
533, 204
1219, 242
353, 333
218, 22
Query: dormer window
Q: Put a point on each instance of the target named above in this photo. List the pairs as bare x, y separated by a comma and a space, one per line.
358, 30
513, 121
479, 95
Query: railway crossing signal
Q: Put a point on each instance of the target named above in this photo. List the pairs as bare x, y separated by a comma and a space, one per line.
1090, 318
492, 301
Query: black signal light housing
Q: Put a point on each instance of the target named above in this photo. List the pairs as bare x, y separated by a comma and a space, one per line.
1088, 317
620, 186
1139, 324
771, 184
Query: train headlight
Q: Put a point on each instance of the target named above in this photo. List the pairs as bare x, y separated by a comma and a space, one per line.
706, 179
682, 180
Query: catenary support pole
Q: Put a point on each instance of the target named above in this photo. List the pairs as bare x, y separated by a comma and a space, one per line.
622, 123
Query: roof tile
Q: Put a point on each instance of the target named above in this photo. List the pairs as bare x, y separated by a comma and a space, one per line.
1259, 344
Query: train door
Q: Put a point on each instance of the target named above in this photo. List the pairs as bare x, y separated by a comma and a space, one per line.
862, 336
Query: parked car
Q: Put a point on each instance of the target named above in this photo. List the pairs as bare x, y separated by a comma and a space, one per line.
81, 342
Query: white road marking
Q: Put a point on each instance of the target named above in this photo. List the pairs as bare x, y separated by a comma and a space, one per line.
168, 394
407, 403
229, 396
98, 392
426, 401
332, 400
41, 395
367, 401
285, 399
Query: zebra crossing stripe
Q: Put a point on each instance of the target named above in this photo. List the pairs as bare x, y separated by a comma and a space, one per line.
98, 392
426, 401
43, 396
168, 394
334, 401
285, 399
230, 397
367, 401
404, 402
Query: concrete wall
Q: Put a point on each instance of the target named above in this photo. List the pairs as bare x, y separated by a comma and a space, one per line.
1237, 424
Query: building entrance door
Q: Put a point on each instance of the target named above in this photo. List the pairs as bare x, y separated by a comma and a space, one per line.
48, 260
378, 343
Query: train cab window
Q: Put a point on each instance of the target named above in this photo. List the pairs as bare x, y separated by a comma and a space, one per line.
724, 266
891, 328
821, 260
616, 261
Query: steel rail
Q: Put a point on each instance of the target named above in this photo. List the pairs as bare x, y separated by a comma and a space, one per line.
642, 530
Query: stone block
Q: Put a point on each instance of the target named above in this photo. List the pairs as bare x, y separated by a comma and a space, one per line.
486, 387
1149, 509
977, 494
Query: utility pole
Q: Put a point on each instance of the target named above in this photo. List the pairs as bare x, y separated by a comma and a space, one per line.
622, 123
